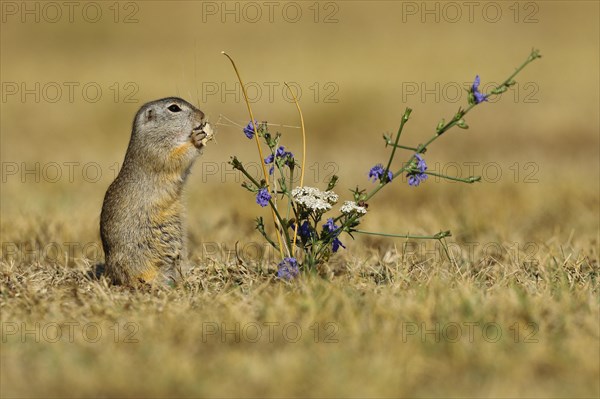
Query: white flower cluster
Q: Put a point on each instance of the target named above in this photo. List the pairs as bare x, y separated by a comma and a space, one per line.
352, 207
314, 199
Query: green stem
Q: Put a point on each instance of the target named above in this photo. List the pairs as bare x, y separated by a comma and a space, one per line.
261, 229
252, 179
532, 56
407, 112
404, 147
283, 226
341, 230
289, 196
470, 179
437, 236
321, 249
264, 234
445, 246
285, 232
458, 116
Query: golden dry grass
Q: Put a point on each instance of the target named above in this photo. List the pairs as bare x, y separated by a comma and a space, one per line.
525, 246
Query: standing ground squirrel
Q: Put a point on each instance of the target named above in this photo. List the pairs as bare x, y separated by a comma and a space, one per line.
141, 224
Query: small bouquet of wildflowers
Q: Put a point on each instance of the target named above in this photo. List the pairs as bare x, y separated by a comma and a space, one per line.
306, 234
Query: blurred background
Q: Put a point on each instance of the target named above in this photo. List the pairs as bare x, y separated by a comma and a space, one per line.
74, 75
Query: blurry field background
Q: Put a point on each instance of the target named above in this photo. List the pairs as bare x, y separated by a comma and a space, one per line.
525, 239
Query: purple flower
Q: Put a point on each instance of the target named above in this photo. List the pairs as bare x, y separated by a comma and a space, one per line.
416, 179
330, 227
416, 176
335, 245
304, 230
421, 165
249, 129
477, 95
287, 269
269, 160
377, 172
280, 153
263, 197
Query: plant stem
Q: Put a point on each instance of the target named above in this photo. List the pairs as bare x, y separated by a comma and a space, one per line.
404, 147
407, 112
470, 179
290, 203
284, 230
437, 236
273, 208
249, 177
423, 147
303, 154
269, 240
532, 56
260, 153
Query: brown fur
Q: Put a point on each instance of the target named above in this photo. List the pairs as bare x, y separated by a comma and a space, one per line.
142, 224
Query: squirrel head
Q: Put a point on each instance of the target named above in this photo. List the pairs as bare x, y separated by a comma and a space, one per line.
162, 126
169, 120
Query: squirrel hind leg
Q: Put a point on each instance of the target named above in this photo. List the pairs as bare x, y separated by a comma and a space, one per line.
170, 278
174, 276
98, 270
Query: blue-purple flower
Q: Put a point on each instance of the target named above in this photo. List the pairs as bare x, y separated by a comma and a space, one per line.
377, 172
336, 244
477, 95
416, 176
416, 179
249, 129
281, 153
304, 230
287, 269
421, 165
263, 197
330, 227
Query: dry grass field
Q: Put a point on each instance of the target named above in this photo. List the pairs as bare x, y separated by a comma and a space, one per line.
513, 313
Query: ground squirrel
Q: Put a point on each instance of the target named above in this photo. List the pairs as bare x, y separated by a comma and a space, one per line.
141, 223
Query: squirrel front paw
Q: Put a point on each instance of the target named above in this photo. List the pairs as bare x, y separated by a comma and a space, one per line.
201, 135
198, 138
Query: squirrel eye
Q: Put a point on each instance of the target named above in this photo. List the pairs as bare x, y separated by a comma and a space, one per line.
174, 108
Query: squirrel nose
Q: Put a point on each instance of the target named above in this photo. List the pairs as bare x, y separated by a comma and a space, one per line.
200, 126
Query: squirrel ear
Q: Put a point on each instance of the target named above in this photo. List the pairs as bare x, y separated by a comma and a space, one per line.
149, 115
